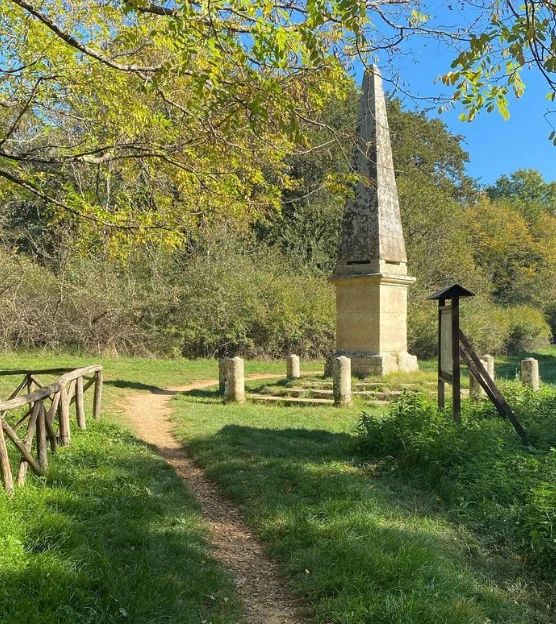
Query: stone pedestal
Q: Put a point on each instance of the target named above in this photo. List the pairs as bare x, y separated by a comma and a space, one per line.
371, 322
530, 373
341, 381
235, 381
293, 370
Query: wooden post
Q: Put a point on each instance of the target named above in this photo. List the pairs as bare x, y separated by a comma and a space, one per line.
79, 404
5, 467
98, 395
28, 443
65, 435
441, 382
12, 435
42, 448
456, 383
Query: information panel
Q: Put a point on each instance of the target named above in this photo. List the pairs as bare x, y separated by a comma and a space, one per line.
446, 364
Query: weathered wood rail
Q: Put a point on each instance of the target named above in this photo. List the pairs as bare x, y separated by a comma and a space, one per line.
45, 420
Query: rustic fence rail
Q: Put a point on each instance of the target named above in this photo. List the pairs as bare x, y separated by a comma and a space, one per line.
45, 421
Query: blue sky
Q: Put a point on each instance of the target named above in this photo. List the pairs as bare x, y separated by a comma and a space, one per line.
495, 146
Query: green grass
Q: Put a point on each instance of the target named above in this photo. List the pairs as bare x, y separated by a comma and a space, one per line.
112, 535
359, 545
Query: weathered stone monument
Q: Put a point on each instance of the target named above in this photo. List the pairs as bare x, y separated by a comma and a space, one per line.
371, 278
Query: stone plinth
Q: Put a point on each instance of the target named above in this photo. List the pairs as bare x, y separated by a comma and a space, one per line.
371, 323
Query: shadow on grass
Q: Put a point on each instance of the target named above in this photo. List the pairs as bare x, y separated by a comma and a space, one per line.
511, 366
112, 537
137, 385
360, 549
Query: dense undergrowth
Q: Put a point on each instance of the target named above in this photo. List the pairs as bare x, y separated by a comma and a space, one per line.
491, 481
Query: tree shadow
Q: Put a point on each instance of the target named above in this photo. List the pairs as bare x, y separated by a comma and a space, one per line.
113, 537
511, 367
137, 385
354, 542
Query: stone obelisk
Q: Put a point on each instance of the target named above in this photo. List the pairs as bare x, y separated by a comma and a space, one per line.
371, 278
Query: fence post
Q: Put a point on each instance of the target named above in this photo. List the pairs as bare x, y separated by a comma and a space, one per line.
65, 435
341, 381
5, 467
97, 400
79, 404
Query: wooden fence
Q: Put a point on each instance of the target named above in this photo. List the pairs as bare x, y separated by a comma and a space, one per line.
45, 417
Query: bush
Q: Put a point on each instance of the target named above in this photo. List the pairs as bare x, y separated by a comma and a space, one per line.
498, 485
528, 329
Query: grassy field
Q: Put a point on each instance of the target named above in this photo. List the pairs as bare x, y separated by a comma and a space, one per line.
360, 544
113, 536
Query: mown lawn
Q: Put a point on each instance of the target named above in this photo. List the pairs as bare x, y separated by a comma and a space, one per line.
359, 544
112, 535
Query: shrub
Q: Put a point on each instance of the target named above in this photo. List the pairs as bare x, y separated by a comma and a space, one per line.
498, 485
528, 329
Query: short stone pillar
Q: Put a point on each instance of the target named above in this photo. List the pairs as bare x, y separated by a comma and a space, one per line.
476, 391
530, 373
328, 365
222, 374
489, 359
292, 367
341, 381
235, 380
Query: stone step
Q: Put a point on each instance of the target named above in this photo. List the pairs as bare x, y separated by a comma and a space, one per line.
285, 400
302, 402
323, 393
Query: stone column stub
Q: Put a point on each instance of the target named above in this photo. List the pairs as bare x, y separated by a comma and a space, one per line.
293, 370
235, 380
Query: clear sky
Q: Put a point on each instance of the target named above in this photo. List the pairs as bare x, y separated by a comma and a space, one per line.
495, 146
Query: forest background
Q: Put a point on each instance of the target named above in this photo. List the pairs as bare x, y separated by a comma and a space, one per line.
198, 213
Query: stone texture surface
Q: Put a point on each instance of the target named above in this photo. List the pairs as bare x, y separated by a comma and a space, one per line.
341, 381
293, 370
371, 278
489, 365
372, 237
530, 373
222, 374
235, 380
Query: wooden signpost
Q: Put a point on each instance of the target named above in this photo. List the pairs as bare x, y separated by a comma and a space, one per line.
448, 345
453, 344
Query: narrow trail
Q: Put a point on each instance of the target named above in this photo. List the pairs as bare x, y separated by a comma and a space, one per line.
265, 598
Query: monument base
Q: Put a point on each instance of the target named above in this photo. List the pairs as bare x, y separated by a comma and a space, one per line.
365, 365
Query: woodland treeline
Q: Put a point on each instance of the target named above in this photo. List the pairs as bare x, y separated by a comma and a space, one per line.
259, 285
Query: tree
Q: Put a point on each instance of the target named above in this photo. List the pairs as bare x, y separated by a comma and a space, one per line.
506, 38
527, 191
134, 116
